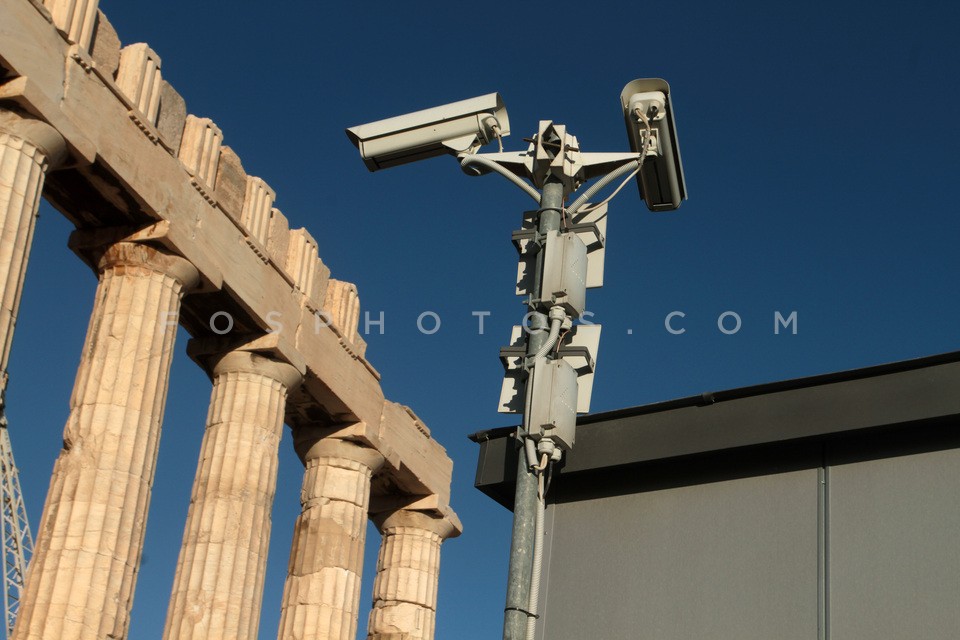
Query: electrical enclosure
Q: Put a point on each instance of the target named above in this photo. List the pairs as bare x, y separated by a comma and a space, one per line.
554, 413
564, 273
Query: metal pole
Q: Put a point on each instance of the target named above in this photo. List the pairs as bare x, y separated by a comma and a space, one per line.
525, 498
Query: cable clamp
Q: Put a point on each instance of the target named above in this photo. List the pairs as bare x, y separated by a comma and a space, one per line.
523, 611
559, 210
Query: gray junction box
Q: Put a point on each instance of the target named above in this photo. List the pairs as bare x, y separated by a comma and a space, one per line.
565, 273
554, 412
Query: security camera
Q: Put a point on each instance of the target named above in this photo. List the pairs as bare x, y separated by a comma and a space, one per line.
450, 129
647, 102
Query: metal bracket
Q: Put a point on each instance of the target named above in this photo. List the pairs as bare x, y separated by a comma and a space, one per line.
579, 350
590, 224
521, 237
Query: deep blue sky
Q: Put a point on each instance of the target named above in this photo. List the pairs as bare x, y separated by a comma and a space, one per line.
819, 142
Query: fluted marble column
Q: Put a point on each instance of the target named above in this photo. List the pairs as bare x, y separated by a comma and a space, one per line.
408, 570
28, 149
321, 596
218, 587
81, 579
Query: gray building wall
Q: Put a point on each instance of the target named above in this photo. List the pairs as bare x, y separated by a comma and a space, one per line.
894, 553
824, 508
860, 551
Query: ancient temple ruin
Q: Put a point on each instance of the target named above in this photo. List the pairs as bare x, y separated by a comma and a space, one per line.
178, 233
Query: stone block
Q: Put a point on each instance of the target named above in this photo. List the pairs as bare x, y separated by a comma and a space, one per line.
302, 260
278, 240
321, 281
360, 345
139, 79
200, 149
400, 615
171, 117
231, 183
257, 204
75, 19
343, 304
105, 48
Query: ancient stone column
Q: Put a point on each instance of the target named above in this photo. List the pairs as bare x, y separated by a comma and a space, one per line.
321, 596
28, 149
81, 579
405, 591
218, 587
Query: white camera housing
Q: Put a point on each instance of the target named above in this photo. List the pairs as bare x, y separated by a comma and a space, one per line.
660, 179
449, 129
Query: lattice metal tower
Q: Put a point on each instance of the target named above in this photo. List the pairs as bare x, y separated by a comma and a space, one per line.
17, 540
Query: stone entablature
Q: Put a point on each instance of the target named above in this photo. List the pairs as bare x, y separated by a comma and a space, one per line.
177, 232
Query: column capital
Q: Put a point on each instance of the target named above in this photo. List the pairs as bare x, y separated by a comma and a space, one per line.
135, 254
37, 132
435, 523
249, 361
311, 443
